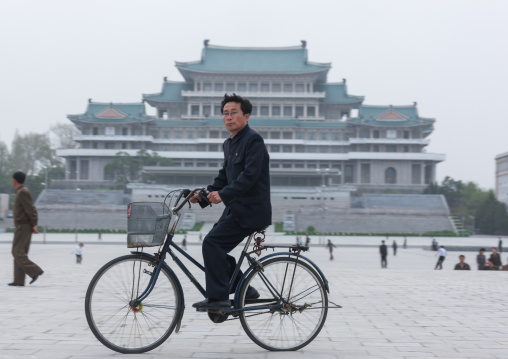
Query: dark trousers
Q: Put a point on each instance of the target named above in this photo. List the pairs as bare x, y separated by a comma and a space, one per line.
20, 247
439, 264
384, 262
219, 266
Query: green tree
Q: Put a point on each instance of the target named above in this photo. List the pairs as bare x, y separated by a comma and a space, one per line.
492, 217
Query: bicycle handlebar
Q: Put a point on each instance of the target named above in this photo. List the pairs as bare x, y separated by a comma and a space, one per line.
187, 193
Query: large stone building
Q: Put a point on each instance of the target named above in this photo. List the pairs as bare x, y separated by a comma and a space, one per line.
316, 133
502, 177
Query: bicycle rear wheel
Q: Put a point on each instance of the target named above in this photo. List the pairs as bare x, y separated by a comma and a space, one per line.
132, 329
295, 320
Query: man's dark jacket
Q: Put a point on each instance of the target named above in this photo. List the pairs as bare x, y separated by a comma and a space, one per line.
243, 182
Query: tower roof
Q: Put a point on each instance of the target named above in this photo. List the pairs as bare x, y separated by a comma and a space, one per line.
171, 92
99, 112
253, 60
397, 116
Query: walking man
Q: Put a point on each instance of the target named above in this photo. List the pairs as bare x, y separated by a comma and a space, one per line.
243, 185
383, 251
25, 222
442, 256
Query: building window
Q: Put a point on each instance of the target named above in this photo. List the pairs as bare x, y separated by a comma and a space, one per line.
311, 136
365, 173
207, 86
287, 135
154, 133
390, 175
216, 110
299, 88
335, 149
95, 145
230, 87
276, 88
364, 148
202, 147
391, 148
84, 169
214, 134
165, 147
125, 145
274, 148
207, 110
324, 136
242, 87
254, 111
264, 110
406, 134
311, 149
375, 148
391, 133
219, 86
213, 148
416, 174
253, 87
190, 134
276, 111
288, 87
375, 134
288, 111
348, 174
178, 135
299, 111
125, 131
299, 148
299, 135
275, 135
189, 148
86, 145
86, 131
263, 134
109, 145
287, 148
177, 147
202, 134
311, 111
299, 165
95, 131
286, 165
194, 110
265, 87
323, 149
406, 148
364, 133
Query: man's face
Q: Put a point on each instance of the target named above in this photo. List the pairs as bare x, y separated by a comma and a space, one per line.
233, 117
494, 250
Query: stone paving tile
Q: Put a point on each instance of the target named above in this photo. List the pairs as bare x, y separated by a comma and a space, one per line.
406, 311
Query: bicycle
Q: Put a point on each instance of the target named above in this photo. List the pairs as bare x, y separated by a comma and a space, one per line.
135, 302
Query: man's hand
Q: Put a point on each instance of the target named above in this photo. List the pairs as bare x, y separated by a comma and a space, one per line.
214, 197
195, 198
34, 230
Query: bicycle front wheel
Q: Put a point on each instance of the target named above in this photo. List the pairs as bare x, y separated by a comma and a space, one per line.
291, 308
128, 328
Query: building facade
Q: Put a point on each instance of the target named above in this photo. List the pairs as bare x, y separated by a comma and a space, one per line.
502, 177
315, 131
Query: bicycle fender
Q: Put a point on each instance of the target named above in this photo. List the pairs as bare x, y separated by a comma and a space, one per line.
280, 254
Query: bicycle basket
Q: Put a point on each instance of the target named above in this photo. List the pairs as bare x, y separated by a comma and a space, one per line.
147, 224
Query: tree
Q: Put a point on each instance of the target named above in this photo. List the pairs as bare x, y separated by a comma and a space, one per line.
63, 135
492, 217
5, 169
126, 168
31, 152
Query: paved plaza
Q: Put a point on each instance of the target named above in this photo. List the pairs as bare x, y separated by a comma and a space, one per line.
406, 311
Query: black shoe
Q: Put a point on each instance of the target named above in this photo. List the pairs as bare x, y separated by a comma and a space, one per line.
251, 294
205, 305
16, 284
36, 277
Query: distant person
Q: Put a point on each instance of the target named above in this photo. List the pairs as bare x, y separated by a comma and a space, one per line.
495, 258
394, 246
442, 257
383, 251
184, 242
462, 265
78, 251
200, 237
330, 247
25, 222
481, 260
307, 241
99, 235
500, 245
405, 243
434, 244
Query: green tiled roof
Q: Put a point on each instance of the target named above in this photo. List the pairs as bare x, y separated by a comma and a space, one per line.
171, 92
219, 59
393, 116
337, 93
98, 112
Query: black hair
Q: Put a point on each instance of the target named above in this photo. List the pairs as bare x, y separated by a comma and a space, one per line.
245, 104
19, 177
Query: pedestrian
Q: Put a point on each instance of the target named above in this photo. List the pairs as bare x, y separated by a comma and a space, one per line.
78, 251
462, 265
434, 244
394, 246
405, 243
442, 257
330, 246
243, 185
383, 251
480, 259
99, 235
500, 245
25, 218
495, 258
307, 241
200, 237
184, 242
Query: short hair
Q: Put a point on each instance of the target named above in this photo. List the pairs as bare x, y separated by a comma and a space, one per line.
245, 104
482, 249
462, 256
19, 177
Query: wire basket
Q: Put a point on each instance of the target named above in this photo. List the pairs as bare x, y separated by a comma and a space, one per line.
147, 224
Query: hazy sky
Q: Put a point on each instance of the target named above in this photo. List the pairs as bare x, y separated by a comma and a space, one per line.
449, 56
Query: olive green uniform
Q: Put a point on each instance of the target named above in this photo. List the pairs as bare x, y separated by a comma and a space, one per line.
25, 218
